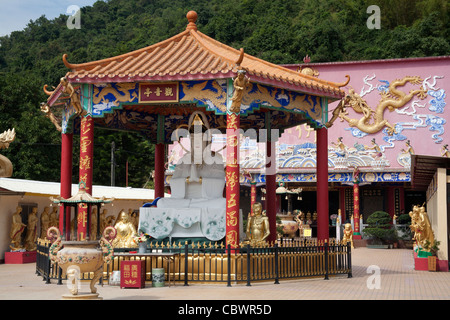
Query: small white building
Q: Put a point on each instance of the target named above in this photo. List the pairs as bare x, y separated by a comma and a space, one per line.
29, 194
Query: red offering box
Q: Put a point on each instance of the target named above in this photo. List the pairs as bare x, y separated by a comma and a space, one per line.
132, 274
20, 257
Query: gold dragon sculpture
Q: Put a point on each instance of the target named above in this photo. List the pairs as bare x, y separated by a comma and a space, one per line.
372, 121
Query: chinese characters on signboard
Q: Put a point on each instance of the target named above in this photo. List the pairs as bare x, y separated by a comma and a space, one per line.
158, 92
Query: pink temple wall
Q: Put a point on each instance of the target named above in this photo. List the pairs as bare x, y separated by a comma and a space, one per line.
422, 121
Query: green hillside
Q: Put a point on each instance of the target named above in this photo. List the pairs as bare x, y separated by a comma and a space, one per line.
275, 30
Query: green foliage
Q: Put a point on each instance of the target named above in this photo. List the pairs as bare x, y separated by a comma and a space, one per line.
275, 30
433, 249
404, 219
379, 228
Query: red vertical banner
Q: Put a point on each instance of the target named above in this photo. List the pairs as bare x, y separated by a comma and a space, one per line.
356, 227
232, 180
252, 195
86, 158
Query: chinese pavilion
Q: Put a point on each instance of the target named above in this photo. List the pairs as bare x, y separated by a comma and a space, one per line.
155, 89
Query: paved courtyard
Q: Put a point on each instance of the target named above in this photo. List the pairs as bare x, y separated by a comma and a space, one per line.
378, 274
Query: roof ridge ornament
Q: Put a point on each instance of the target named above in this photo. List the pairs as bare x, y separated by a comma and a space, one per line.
192, 18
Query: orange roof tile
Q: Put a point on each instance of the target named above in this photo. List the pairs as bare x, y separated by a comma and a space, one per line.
192, 55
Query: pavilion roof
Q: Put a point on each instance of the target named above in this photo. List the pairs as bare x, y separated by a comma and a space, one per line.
192, 55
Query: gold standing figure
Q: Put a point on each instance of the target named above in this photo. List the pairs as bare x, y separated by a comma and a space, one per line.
257, 226
421, 226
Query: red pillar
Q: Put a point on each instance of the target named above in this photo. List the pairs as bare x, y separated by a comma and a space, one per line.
232, 180
66, 180
322, 185
86, 166
159, 170
271, 187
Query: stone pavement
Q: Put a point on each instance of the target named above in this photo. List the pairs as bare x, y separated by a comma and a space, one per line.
378, 274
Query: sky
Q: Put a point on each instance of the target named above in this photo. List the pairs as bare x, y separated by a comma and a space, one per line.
16, 14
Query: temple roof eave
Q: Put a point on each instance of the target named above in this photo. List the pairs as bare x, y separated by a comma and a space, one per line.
192, 55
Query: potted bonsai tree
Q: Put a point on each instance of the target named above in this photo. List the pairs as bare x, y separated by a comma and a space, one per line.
433, 249
379, 230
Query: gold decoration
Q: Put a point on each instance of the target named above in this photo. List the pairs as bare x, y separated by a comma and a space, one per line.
348, 234
31, 236
73, 96
373, 121
257, 226
122, 93
125, 232
45, 222
240, 83
421, 226
46, 110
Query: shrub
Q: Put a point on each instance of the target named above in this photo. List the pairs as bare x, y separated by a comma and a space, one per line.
404, 219
379, 227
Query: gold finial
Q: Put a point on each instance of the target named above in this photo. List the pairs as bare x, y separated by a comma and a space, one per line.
192, 18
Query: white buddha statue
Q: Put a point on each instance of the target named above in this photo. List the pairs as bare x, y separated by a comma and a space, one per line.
196, 206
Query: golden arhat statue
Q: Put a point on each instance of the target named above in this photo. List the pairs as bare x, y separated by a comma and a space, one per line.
17, 228
257, 226
125, 231
348, 234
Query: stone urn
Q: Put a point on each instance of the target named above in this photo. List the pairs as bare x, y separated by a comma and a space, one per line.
76, 257
290, 226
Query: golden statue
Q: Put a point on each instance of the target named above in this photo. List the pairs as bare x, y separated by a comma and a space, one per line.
348, 234
45, 223
257, 226
134, 217
17, 227
240, 83
125, 232
102, 221
31, 237
421, 226
338, 111
54, 221
374, 121
73, 96
49, 114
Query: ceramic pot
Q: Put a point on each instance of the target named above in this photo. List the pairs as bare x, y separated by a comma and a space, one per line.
290, 226
76, 257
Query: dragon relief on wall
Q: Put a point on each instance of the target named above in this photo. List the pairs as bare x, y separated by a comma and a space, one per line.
373, 121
